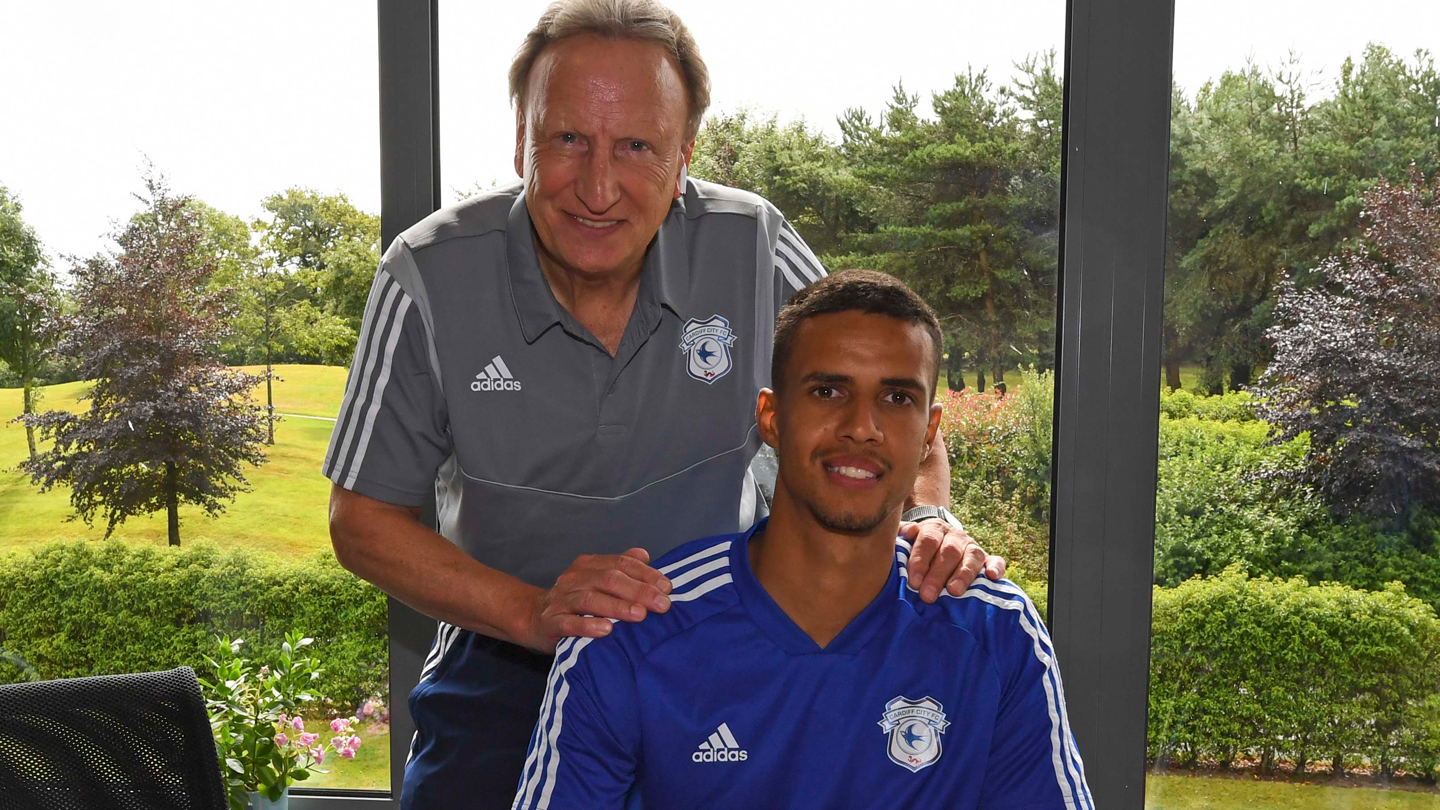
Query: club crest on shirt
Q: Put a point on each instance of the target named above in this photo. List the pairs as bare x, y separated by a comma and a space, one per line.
706, 346
914, 727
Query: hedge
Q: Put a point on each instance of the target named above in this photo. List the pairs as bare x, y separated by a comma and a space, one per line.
86, 608
1270, 669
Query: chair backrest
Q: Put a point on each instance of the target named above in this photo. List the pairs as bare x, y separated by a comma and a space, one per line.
114, 742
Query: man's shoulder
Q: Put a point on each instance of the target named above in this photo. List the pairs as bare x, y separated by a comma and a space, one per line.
996, 614
477, 215
703, 198
701, 587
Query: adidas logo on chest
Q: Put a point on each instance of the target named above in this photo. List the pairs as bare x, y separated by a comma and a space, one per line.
495, 377
720, 747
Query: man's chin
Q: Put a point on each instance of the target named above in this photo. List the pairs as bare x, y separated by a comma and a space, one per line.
842, 522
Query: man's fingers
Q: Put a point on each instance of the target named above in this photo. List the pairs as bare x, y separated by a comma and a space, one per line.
621, 585
638, 554
638, 569
970, 568
942, 567
923, 546
602, 605
582, 626
909, 530
995, 567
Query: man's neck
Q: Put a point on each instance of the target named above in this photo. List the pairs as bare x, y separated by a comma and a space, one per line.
821, 579
602, 303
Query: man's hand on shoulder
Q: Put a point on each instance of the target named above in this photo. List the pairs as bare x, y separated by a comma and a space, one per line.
594, 589
945, 556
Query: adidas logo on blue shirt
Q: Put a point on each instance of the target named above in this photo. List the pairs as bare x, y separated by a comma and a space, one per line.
721, 747
495, 377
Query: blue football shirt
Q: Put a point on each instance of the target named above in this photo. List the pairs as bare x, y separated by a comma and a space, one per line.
724, 702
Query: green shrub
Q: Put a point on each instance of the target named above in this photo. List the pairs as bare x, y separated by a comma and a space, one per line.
86, 608
1234, 406
1219, 499
1269, 668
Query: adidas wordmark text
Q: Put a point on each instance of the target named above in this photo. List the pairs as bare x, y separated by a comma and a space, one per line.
721, 747
495, 377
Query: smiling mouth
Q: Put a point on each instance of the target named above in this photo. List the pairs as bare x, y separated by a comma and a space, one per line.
595, 223
852, 472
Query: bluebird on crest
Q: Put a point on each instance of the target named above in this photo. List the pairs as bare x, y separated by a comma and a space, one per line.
706, 346
914, 727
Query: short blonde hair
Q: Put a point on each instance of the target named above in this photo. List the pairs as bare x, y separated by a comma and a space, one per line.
645, 20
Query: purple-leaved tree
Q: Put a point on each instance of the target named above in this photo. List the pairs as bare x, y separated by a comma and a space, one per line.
1357, 359
167, 422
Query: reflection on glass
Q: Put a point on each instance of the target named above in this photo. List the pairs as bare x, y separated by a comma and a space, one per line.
1295, 646
150, 339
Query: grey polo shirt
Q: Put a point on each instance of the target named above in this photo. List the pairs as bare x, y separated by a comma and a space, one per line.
470, 381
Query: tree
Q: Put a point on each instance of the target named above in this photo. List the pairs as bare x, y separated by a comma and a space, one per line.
1357, 359
167, 422
326, 234
958, 219
274, 314
797, 169
28, 302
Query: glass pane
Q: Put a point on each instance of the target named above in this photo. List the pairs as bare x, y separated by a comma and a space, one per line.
1295, 648
258, 126
902, 139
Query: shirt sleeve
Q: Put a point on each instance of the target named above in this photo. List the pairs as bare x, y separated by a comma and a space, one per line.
795, 265
1033, 763
585, 747
392, 431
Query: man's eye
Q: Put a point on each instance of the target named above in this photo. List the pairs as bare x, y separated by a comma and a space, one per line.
901, 398
638, 146
568, 137
824, 391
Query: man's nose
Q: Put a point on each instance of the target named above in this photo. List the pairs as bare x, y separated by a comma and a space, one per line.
597, 186
859, 423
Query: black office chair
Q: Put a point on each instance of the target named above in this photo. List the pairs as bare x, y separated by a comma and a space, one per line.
114, 742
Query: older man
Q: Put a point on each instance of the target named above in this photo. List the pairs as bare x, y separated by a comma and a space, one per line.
568, 366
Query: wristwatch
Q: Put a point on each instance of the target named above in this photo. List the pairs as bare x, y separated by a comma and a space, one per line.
920, 513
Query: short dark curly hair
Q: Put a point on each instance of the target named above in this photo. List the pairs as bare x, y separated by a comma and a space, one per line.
854, 291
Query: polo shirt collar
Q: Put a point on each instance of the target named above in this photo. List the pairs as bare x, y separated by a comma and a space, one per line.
665, 277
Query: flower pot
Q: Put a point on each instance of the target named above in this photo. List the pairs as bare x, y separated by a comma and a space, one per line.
257, 801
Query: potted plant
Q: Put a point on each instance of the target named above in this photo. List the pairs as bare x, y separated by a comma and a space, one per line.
260, 736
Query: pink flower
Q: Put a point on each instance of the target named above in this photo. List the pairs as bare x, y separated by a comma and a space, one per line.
339, 743
264, 671
308, 738
348, 753
319, 755
297, 724
282, 719
354, 741
281, 739
338, 725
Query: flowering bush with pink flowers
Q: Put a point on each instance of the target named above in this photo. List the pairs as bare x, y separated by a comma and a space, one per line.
255, 714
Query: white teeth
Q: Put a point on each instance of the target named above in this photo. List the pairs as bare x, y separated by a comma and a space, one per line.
852, 472
590, 223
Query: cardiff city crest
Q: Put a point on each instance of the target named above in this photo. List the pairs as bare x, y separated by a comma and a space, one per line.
706, 345
914, 727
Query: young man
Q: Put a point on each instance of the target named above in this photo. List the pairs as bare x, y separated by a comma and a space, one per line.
797, 668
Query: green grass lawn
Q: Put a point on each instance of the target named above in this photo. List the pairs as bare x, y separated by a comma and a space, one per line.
1178, 792
285, 512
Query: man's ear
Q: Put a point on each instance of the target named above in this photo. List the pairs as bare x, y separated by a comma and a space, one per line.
936, 412
686, 152
519, 142
766, 417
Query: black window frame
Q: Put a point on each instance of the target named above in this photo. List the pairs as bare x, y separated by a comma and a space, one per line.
1114, 175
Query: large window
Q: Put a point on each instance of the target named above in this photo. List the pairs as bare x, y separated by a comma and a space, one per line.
250, 134
1295, 657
